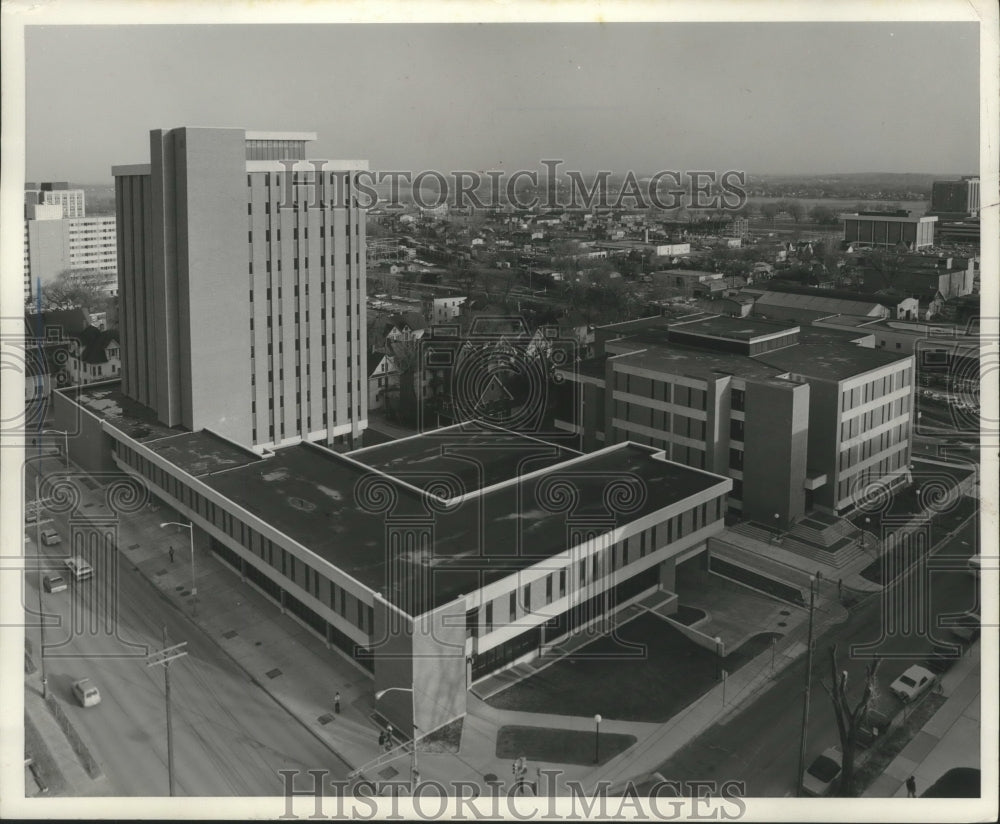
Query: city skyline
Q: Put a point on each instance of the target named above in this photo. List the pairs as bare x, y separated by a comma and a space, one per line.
780, 95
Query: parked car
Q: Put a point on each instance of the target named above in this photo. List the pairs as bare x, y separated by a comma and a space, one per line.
822, 775
54, 583
942, 658
966, 628
32, 514
912, 683
50, 537
86, 693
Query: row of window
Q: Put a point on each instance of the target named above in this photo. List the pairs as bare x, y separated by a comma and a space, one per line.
294, 569
524, 599
857, 483
874, 389
676, 423
874, 418
883, 441
658, 390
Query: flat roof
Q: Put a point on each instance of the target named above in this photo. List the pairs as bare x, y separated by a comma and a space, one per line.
203, 452
723, 326
106, 401
319, 499
825, 362
475, 455
658, 355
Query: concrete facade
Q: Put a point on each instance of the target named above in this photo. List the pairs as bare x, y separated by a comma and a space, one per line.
798, 420
425, 588
242, 282
889, 229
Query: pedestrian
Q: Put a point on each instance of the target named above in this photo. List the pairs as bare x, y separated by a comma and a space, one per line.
911, 787
381, 739
336, 703
388, 737
171, 554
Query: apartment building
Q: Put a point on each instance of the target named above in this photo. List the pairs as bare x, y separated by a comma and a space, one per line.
242, 285
54, 244
800, 418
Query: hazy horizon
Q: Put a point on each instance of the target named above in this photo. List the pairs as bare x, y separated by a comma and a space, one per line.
797, 99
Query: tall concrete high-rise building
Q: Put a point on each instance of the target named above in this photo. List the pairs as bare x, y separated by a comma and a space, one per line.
242, 287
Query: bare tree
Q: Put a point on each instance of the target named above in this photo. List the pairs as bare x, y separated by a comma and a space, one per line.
77, 287
849, 719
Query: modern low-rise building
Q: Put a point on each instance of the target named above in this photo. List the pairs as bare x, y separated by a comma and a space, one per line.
432, 561
889, 229
800, 417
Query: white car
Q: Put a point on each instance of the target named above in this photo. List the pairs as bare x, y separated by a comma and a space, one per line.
822, 776
86, 693
912, 683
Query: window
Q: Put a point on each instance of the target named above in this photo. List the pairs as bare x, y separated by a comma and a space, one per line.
736, 459
562, 582
548, 588
489, 617
736, 430
738, 400
512, 599
526, 597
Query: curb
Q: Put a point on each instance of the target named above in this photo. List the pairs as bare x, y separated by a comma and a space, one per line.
83, 753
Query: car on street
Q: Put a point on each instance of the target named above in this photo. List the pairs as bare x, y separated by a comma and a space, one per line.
50, 537
86, 694
821, 777
54, 583
912, 683
966, 628
79, 568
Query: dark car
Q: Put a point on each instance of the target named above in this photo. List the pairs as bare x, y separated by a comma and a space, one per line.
966, 627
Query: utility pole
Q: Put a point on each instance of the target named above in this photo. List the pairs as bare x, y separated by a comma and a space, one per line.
813, 586
163, 658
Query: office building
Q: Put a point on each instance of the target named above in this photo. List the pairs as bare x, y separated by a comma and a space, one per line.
955, 199
242, 283
889, 229
430, 562
802, 418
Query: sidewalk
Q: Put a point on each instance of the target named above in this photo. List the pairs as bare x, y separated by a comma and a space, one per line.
72, 778
949, 739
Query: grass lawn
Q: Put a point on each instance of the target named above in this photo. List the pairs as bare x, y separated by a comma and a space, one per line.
560, 746
609, 678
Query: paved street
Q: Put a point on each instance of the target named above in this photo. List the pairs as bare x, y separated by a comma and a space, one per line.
760, 745
230, 737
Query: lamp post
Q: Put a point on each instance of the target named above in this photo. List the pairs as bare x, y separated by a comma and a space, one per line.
190, 529
597, 739
414, 772
65, 442
868, 525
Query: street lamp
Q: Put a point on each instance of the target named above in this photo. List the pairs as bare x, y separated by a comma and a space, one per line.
809, 662
190, 529
868, 524
414, 772
597, 739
